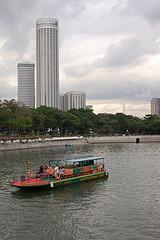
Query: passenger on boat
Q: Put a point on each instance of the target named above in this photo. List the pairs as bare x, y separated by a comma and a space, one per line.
29, 174
46, 167
56, 172
61, 171
100, 167
56, 168
49, 171
40, 172
41, 169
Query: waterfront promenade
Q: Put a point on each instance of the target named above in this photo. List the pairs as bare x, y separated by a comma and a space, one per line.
40, 142
69, 141
124, 139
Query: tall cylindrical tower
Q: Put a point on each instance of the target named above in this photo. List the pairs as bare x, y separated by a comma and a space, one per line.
47, 62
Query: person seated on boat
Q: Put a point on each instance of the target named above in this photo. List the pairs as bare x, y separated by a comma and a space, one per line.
61, 171
56, 172
23, 178
40, 172
56, 168
100, 167
46, 167
41, 169
49, 171
29, 174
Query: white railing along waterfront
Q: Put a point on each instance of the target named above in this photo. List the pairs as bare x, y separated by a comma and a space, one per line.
40, 142
125, 139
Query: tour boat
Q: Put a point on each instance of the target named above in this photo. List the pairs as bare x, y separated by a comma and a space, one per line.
59, 173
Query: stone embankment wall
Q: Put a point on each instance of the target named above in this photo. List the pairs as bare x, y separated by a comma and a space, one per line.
64, 141
39, 143
124, 139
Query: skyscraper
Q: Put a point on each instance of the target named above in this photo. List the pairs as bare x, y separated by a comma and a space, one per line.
61, 102
74, 99
26, 84
155, 106
47, 62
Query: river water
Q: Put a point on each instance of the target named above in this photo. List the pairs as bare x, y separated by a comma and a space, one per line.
124, 207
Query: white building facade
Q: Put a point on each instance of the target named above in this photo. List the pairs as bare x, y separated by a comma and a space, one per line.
47, 62
26, 84
90, 107
74, 99
61, 102
155, 106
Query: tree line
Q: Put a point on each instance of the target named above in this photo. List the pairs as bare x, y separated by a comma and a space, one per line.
16, 120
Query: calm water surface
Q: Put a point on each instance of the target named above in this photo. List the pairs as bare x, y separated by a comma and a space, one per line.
124, 207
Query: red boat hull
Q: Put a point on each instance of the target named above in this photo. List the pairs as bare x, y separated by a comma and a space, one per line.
30, 183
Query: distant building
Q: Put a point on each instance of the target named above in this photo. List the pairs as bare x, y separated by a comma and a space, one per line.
47, 62
26, 84
61, 102
89, 107
74, 99
155, 106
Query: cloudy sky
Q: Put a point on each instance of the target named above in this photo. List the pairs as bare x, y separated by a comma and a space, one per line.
108, 48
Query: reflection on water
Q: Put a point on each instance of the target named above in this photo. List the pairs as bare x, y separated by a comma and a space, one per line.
124, 207
76, 190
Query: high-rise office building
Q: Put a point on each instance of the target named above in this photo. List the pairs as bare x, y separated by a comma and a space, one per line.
155, 106
90, 107
26, 84
47, 62
61, 102
74, 99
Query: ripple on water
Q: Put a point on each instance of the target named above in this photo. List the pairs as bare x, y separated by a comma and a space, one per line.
124, 207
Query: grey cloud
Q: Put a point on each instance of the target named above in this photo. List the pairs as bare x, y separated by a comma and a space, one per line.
128, 51
7, 91
17, 24
117, 89
78, 71
147, 9
78, 18
8, 70
63, 9
124, 88
115, 20
118, 86
17, 19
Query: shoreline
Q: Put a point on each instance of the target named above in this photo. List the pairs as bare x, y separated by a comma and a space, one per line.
71, 141
124, 139
42, 143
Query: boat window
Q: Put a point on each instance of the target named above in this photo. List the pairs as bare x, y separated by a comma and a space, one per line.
91, 162
54, 163
100, 161
76, 164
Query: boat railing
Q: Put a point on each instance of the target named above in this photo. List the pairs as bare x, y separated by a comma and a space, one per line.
73, 171
77, 171
66, 172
